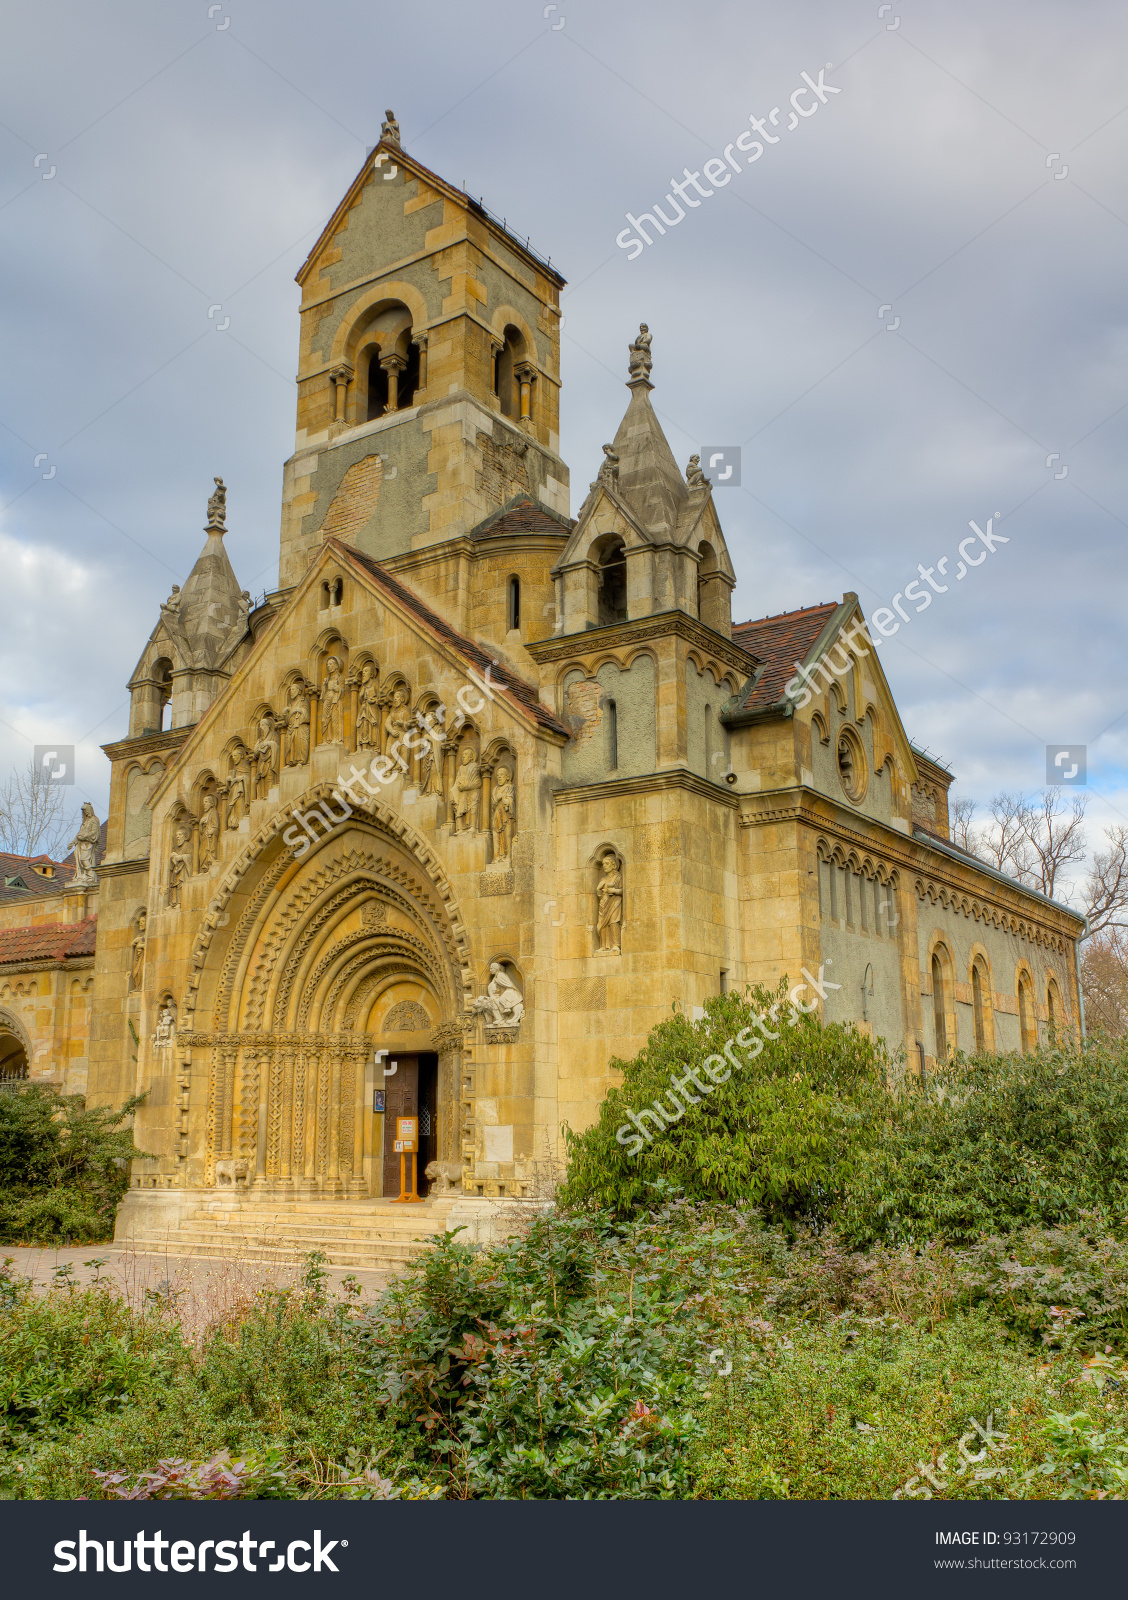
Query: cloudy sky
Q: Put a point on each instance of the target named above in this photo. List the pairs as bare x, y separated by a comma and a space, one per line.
908, 312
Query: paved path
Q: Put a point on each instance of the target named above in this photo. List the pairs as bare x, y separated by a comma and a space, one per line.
204, 1288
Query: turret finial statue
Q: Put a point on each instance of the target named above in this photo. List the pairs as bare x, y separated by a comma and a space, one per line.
389, 128
638, 353
217, 508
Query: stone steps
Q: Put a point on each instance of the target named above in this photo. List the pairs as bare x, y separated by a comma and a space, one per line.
368, 1234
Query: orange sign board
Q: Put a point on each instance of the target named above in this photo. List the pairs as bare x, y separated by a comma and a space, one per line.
407, 1131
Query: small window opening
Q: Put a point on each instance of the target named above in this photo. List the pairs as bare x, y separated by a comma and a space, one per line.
612, 586
408, 379
612, 735
724, 980
978, 1006
938, 1014
377, 388
514, 603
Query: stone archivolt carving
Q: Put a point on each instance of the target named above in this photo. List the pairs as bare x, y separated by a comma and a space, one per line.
467, 794
296, 739
85, 847
332, 691
373, 914
609, 905
406, 1017
502, 1005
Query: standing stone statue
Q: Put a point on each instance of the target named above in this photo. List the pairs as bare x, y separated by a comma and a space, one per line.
638, 354
217, 507
209, 832
367, 710
609, 906
332, 722
85, 847
266, 755
238, 783
504, 820
467, 792
390, 128
297, 726
396, 720
137, 953
179, 862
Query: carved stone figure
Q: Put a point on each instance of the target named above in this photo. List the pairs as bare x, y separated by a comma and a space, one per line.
230, 1171
297, 726
502, 1004
179, 862
504, 820
209, 832
266, 755
238, 786
430, 764
170, 608
390, 128
137, 955
217, 507
85, 847
638, 353
166, 1026
245, 604
467, 792
609, 905
332, 720
396, 721
694, 476
609, 467
445, 1178
368, 710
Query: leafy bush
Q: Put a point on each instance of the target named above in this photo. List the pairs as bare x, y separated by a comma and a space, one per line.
63, 1168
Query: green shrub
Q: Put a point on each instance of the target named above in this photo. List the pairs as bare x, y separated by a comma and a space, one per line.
63, 1168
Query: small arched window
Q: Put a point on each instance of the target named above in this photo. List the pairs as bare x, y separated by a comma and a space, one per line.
506, 361
939, 1008
377, 388
612, 735
514, 605
1053, 1010
980, 1000
612, 585
1027, 1021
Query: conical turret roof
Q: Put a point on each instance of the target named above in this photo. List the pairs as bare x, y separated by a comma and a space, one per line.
649, 479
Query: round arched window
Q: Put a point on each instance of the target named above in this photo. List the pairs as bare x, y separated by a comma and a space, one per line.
851, 764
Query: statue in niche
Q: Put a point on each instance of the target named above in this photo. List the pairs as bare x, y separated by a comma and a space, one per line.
85, 847
332, 720
396, 720
368, 710
609, 905
166, 1026
502, 1005
209, 832
430, 763
297, 726
638, 353
266, 755
504, 820
694, 476
217, 506
238, 786
180, 861
467, 792
137, 952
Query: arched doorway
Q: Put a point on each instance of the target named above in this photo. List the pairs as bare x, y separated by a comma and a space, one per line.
13, 1054
335, 947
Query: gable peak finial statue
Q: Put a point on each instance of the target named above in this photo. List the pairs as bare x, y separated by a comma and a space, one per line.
390, 128
638, 354
217, 508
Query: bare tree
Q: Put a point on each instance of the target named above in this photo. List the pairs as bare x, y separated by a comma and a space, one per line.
961, 811
1002, 843
1053, 835
34, 816
1104, 982
1106, 887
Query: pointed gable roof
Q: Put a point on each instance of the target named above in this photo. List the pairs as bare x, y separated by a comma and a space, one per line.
210, 608
649, 478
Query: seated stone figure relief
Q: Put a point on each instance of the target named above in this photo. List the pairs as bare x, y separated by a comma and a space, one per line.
297, 725
503, 1004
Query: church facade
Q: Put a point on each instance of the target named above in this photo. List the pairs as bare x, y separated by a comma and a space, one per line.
449, 820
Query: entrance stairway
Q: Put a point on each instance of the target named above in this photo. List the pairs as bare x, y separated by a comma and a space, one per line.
380, 1234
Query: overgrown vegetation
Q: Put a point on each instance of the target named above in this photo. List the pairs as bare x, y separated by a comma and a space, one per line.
63, 1168
822, 1281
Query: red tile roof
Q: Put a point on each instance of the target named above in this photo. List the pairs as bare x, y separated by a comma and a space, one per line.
779, 642
501, 677
521, 515
24, 868
53, 941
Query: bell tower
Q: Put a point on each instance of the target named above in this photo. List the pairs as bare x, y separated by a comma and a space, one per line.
428, 372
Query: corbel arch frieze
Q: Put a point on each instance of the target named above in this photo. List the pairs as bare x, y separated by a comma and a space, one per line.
376, 815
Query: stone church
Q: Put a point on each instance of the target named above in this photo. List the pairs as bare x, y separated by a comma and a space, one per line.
453, 817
